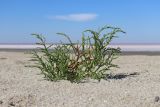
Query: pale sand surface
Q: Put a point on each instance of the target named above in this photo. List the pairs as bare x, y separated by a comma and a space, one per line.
24, 87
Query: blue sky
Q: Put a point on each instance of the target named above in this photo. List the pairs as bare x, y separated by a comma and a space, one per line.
19, 18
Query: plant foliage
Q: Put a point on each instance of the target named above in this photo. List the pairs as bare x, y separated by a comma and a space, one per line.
91, 58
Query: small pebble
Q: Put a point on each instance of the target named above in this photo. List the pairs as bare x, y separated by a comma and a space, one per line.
11, 104
157, 98
3, 58
1, 102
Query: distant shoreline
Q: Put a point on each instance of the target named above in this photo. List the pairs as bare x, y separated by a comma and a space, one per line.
148, 53
125, 48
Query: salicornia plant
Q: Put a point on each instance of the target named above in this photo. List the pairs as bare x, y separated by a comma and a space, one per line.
91, 58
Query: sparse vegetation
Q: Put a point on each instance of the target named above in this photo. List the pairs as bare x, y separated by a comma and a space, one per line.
91, 58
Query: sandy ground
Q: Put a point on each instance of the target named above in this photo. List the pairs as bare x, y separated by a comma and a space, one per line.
135, 84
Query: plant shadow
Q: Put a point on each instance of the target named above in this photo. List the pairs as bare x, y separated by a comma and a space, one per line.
120, 76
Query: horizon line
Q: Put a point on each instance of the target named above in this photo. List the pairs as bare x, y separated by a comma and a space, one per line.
119, 43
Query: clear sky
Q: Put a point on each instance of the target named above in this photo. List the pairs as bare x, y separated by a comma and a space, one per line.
19, 18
